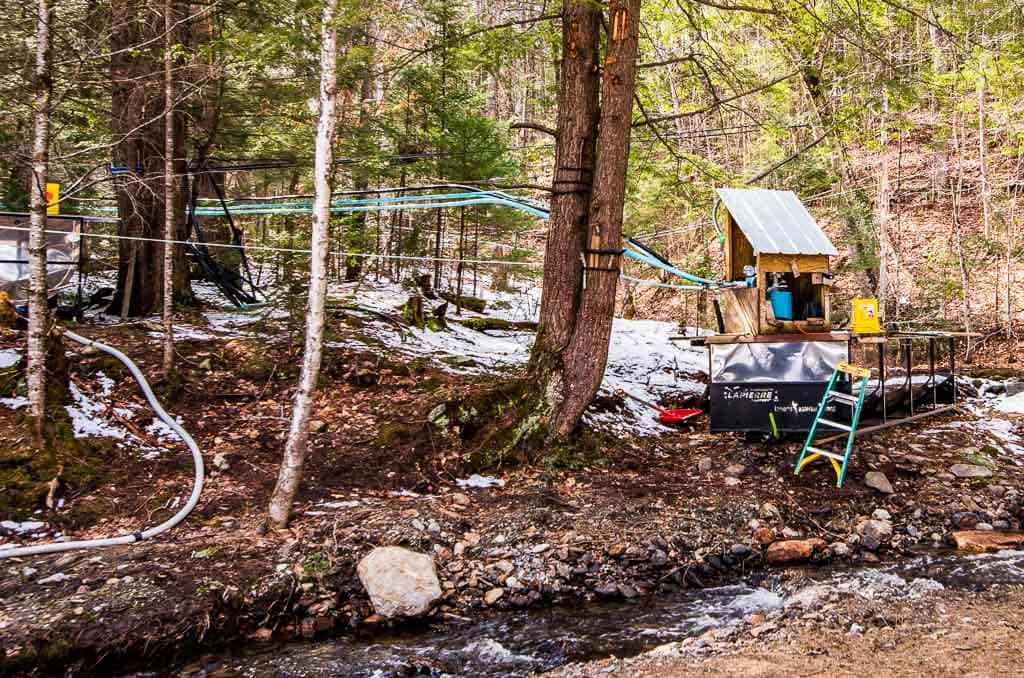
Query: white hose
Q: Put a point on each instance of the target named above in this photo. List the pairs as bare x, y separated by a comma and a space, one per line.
197, 458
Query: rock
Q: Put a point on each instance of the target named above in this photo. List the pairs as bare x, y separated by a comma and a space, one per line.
730, 481
317, 426
262, 634
945, 476
433, 527
790, 533
740, 550
970, 471
808, 599
1000, 525
987, 542
1013, 388
964, 520
984, 527
505, 566
400, 582
762, 629
220, 461
881, 514
763, 536
997, 491
769, 510
460, 499
659, 558
704, 464
878, 482
793, 550
540, 548
874, 533
617, 550
735, 470
627, 591
839, 549
913, 532
856, 629
870, 542
493, 595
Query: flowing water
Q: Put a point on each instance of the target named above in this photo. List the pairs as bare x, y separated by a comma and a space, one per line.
533, 641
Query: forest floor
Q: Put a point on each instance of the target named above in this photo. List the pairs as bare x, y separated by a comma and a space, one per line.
641, 510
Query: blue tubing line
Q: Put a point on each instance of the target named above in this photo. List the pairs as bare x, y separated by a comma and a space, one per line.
644, 258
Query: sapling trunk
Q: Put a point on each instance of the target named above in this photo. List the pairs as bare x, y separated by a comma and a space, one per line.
298, 434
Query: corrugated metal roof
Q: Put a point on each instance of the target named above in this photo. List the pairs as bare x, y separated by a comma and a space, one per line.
775, 222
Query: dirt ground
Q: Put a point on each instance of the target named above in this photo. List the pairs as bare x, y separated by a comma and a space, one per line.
948, 634
626, 517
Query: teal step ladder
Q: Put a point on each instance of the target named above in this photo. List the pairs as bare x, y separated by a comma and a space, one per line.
809, 452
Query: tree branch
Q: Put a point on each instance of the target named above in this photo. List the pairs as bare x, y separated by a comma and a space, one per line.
707, 109
526, 124
731, 7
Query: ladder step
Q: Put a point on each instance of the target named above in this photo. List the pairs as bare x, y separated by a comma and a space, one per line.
834, 424
825, 453
843, 397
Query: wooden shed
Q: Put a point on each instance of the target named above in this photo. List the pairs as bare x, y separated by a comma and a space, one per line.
772, 241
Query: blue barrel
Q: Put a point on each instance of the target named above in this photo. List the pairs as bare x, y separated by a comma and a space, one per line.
782, 304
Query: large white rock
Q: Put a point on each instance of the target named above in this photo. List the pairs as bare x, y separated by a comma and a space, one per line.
400, 582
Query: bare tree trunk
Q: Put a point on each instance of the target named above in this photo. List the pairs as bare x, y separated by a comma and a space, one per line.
169, 185
572, 343
295, 448
959, 134
882, 213
986, 191
38, 310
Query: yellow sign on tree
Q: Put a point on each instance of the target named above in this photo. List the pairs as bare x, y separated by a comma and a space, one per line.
53, 199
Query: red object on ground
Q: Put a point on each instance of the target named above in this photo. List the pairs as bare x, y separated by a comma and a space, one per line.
667, 417
672, 417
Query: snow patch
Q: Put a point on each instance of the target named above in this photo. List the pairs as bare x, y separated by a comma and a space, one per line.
9, 357
477, 481
1011, 405
15, 403
22, 528
85, 416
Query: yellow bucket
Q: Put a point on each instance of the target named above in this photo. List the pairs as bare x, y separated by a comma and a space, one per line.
865, 317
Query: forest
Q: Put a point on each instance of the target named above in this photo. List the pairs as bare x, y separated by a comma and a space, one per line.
511, 338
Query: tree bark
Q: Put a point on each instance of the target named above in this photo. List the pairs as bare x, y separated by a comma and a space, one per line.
38, 309
572, 182
169, 184
137, 99
295, 448
577, 305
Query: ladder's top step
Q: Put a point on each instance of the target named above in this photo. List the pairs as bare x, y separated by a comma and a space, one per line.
846, 367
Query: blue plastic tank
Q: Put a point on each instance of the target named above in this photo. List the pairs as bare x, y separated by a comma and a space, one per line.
782, 304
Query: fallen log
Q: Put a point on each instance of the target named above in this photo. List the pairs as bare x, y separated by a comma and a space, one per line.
497, 324
474, 304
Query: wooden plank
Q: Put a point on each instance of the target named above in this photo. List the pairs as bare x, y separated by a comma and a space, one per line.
740, 252
780, 263
739, 310
772, 338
